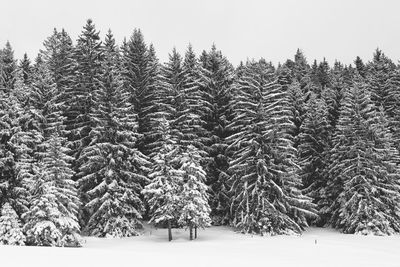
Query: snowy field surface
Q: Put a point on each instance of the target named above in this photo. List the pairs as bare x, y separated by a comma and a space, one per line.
215, 246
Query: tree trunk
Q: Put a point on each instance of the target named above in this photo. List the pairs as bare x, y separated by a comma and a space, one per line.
169, 231
191, 232
195, 232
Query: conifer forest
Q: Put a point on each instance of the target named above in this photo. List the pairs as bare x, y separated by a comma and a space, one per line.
99, 138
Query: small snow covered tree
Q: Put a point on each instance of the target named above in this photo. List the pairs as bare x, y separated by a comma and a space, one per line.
43, 218
10, 227
195, 210
163, 194
363, 186
52, 218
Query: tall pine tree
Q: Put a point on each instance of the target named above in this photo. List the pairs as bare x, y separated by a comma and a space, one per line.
112, 170
266, 197
363, 186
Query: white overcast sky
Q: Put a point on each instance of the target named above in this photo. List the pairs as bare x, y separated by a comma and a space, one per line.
273, 29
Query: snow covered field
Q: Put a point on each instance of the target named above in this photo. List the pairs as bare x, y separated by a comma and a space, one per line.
215, 246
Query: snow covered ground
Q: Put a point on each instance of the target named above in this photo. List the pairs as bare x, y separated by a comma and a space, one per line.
215, 246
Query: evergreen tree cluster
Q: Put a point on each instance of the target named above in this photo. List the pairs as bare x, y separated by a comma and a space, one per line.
96, 138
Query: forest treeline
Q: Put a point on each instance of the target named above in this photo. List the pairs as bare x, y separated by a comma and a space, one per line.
97, 138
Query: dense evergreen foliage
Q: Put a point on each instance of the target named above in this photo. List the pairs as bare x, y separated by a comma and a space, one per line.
101, 137
10, 227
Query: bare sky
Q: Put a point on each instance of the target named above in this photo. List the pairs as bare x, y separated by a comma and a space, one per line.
273, 29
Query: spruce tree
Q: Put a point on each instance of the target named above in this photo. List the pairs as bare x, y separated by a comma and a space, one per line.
52, 219
314, 139
80, 101
301, 69
195, 210
332, 95
12, 152
392, 104
58, 54
139, 77
360, 66
216, 95
156, 109
54, 223
25, 66
163, 193
363, 185
8, 66
298, 108
377, 76
189, 121
10, 227
323, 75
266, 197
173, 103
112, 169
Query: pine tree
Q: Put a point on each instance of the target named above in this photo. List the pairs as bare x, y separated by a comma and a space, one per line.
363, 184
12, 189
80, 100
195, 210
323, 75
189, 121
173, 103
392, 104
112, 170
52, 219
25, 66
138, 74
332, 95
297, 102
163, 194
301, 69
360, 66
8, 67
313, 151
43, 216
8, 122
58, 54
26, 139
377, 76
10, 227
216, 112
54, 223
265, 187
156, 109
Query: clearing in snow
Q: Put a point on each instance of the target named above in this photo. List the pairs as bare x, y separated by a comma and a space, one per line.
215, 246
